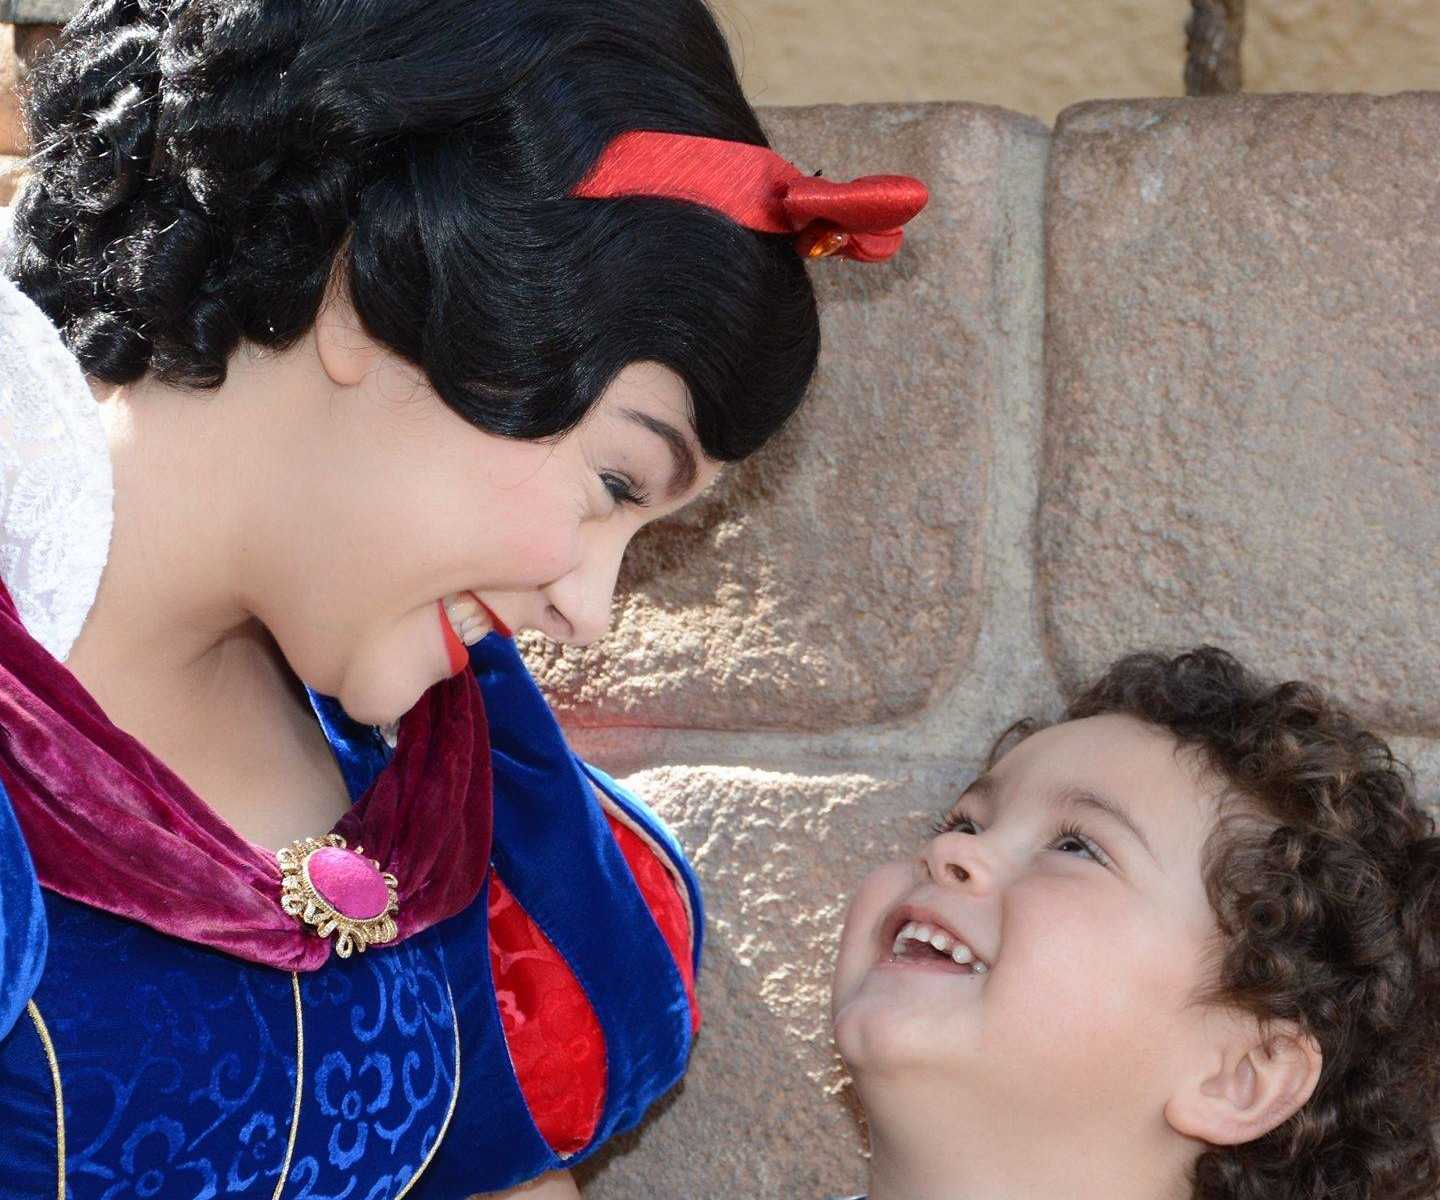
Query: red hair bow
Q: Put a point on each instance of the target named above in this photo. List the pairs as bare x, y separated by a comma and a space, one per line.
757, 188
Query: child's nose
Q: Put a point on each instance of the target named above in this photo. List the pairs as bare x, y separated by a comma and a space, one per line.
958, 859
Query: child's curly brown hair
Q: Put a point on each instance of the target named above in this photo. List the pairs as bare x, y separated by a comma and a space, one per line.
1329, 912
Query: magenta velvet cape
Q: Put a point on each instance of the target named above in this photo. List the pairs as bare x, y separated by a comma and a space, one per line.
109, 825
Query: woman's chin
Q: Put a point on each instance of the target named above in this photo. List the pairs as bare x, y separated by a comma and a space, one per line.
380, 701
383, 678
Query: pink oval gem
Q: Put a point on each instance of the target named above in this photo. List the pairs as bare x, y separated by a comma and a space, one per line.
348, 883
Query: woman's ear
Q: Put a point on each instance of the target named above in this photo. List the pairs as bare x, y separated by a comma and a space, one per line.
347, 353
1256, 1080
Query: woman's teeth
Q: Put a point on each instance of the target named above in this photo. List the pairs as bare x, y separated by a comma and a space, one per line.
467, 618
918, 933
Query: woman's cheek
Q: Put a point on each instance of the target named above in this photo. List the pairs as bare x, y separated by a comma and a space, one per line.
536, 546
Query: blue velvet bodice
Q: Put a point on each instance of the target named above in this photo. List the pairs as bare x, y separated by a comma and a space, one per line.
134, 1065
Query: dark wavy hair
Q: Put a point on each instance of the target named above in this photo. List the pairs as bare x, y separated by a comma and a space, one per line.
1325, 879
203, 170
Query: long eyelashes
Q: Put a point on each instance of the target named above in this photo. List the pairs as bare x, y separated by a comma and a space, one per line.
624, 490
949, 822
952, 821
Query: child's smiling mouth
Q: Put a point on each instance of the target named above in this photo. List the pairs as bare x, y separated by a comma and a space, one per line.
920, 939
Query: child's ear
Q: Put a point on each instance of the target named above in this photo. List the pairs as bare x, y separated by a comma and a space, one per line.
1255, 1080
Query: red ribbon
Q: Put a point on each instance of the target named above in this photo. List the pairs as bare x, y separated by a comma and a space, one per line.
755, 187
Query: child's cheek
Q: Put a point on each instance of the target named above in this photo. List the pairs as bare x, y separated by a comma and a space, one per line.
1069, 968
860, 937
1097, 998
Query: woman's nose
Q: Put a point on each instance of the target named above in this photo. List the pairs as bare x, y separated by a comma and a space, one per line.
959, 860
583, 598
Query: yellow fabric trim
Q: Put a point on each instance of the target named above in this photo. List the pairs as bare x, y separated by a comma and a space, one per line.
299, 1085
454, 1099
49, 1047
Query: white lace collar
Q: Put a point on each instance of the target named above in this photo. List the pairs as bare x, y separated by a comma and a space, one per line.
57, 493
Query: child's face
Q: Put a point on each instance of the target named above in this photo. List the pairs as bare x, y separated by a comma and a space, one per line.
1094, 943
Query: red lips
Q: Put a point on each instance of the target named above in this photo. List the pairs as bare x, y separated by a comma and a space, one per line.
454, 647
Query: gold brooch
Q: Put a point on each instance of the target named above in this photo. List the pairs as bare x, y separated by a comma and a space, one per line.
338, 891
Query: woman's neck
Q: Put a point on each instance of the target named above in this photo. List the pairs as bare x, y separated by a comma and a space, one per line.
170, 649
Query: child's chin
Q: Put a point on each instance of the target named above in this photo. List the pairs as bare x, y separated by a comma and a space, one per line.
879, 1026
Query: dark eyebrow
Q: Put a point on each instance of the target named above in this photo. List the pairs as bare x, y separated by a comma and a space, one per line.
984, 787
685, 470
1080, 797
1085, 798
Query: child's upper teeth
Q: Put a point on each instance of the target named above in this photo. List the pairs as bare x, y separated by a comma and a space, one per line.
917, 931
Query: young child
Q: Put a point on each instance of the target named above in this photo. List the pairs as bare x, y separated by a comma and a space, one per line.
1183, 944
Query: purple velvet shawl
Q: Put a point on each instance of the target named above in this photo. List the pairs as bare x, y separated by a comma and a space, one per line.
109, 825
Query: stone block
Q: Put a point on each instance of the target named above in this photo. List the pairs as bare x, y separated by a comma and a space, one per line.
1242, 442
765, 1110
20, 45
39, 12
12, 134
835, 578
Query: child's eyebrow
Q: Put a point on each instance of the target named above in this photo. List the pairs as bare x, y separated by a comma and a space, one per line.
1072, 796
1080, 797
983, 788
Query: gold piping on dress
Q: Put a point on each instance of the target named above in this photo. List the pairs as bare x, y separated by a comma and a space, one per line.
299, 1085
49, 1047
454, 1098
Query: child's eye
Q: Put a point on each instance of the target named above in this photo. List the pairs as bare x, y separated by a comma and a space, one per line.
955, 821
623, 490
1071, 836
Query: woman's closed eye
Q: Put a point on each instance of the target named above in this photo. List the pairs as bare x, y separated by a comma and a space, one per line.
1068, 835
623, 489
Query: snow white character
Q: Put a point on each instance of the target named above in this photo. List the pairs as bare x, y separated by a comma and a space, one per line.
338, 339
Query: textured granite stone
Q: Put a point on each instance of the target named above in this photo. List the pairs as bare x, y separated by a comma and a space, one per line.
832, 580
1243, 436
39, 12
764, 1110
19, 46
12, 135
1423, 756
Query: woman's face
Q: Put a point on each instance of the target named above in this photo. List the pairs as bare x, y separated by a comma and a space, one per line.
408, 506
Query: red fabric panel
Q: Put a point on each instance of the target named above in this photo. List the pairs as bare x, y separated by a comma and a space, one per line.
658, 887
555, 1040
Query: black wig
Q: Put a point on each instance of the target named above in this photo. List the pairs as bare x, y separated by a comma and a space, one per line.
203, 170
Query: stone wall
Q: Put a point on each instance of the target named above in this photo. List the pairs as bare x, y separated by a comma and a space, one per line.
19, 44
1167, 373
1042, 57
